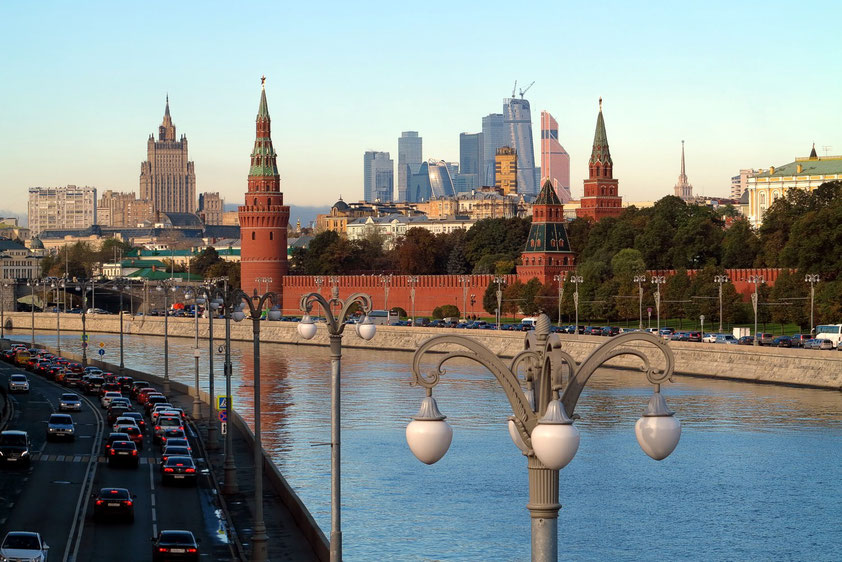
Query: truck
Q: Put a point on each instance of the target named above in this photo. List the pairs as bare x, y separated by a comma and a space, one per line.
740, 332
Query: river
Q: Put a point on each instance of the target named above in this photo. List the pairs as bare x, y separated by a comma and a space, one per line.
755, 477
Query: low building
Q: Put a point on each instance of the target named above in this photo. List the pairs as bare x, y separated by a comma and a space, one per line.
392, 227
210, 208
341, 213
121, 209
485, 203
17, 263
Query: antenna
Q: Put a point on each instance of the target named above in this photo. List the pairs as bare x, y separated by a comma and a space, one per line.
522, 91
514, 89
826, 149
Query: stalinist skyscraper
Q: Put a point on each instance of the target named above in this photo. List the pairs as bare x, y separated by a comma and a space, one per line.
683, 188
167, 178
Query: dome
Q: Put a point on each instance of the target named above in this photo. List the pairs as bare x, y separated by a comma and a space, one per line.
36, 244
341, 205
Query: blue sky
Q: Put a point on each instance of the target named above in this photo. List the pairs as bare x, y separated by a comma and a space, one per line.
83, 85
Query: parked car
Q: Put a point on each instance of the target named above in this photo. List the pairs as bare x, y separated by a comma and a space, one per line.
726, 338
746, 340
765, 338
824, 344
694, 337
782, 341
23, 545
798, 339
709, 338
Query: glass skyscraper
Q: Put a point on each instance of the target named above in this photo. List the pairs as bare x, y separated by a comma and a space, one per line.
378, 177
517, 119
493, 137
470, 161
409, 160
555, 162
432, 180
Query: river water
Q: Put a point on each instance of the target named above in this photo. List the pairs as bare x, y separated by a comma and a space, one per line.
755, 477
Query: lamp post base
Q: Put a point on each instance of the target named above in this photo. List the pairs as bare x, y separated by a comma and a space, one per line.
259, 543
197, 407
229, 482
166, 386
213, 438
543, 508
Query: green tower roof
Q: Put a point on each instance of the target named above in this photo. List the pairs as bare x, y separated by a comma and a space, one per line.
548, 196
600, 153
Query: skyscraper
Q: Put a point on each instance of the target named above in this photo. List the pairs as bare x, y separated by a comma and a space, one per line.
517, 120
683, 188
378, 177
555, 162
470, 160
432, 180
493, 137
264, 217
600, 199
505, 170
168, 178
409, 160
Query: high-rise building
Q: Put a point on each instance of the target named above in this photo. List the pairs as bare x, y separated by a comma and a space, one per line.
432, 180
470, 160
61, 208
264, 218
517, 119
378, 176
123, 209
600, 199
210, 208
168, 178
409, 160
683, 189
740, 183
555, 162
493, 137
506, 170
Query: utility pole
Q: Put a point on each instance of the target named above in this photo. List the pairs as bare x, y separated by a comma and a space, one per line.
640, 280
812, 279
560, 280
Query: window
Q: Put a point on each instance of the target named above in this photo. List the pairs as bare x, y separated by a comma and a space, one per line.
252, 235
271, 236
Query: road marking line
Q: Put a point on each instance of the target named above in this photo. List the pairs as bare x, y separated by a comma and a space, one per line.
152, 499
60, 458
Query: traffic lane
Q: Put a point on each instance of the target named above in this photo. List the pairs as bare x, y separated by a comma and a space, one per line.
45, 496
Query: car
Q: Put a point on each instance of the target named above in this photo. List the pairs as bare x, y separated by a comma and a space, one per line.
123, 452
69, 402
109, 386
726, 338
115, 411
824, 344
163, 423
810, 343
93, 371
114, 437
136, 386
158, 408
61, 426
179, 442
18, 383
144, 394
134, 433
782, 341
839, 346
152, 400
138, 417
178, 469
94, 385
126, 384
798, 340
15, 447
170, 433
746, 340
113, 503
106, 398
765, 338
174, 545
593, 331
23, 546
124, 420
694, 337
173, 451
709, 338
72, 379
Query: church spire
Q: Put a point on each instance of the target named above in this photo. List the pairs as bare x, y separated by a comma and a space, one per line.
263, 157
813, 155
683, 175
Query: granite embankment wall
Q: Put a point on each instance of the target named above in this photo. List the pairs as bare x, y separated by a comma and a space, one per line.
821, 369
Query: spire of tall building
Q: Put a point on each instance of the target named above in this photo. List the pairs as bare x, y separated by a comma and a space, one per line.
683, 189
166, 132
601, 198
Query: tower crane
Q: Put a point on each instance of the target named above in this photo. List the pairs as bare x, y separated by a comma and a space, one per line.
522, 91
514, 89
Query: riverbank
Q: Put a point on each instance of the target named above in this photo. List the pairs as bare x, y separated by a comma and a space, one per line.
796, 367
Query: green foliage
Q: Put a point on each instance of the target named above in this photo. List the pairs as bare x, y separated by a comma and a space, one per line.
446, 311
204, 260
626, 264
496, 236
489, 299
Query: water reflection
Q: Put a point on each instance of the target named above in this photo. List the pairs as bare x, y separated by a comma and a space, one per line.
755, 476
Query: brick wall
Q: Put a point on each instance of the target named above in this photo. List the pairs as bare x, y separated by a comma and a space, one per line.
739, 277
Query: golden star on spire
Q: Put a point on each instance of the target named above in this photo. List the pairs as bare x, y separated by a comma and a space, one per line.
263, 81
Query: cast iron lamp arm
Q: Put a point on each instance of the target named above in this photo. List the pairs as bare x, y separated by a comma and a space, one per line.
336, 324
254, 311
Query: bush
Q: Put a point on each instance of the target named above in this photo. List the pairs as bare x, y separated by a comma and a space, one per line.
446, 311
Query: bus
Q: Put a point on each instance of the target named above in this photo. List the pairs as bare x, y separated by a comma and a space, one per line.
381, 317
832, 332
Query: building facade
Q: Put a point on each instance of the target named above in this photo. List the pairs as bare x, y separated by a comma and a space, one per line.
739, 183
168, 178
506, 170
123, 209
493, 137
341, 213
487, 203
547, 252
517, 119
804, 173
432, 180
470, 161
409, 160
600, 199
378, 176
555, 162
264, 218
393, 227
61, 207
210, 208
682, 188
18, 262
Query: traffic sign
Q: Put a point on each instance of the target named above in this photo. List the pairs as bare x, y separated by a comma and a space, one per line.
84, 337
221, 402
224, 428
223, 416
102, 344
101, 352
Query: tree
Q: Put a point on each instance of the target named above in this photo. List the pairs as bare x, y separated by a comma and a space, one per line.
496, 236
446, 311
530, 304
740, 245
200, 263
489, 299
417, 252
228, 269
790, 288
626, 264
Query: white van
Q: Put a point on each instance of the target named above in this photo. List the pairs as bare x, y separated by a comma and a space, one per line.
381, 317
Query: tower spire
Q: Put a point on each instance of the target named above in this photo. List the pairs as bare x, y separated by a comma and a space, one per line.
683, 175
600, 153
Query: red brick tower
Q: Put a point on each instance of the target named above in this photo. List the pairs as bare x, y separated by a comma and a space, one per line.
547, 251
264, 217
600, 199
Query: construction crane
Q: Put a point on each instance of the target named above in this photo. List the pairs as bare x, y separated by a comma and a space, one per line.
522, 91
514, 89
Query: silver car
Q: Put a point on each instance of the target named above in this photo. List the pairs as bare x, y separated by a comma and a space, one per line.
824, 344
61, 426
18, 383
69, 402
23, 545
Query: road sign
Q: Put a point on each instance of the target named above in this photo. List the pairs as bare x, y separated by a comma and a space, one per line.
224, 428
84, 337
102, 344
223, 416
101, 352
221, 402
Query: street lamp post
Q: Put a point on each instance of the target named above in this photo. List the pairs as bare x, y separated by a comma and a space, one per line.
413, 281
757, 280
212, 297
576, 279
540, 425
658, 280
640, 280
3, 285
31, 284
197, 402
559, 279
255, 305
812, 279
720, 279
165, 286
386, 280
465, 280
500, 280
120, 283
319, 282
58, 285
336, 326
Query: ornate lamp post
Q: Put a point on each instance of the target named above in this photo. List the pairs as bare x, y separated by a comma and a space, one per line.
197, 401
31, 283
812, 279
541, 426
386, 280
640, 280
576, 279
658, 280
214, 299
319, 282
255, 305
335, 325
166, 286
120, 283
83, 288
413, 281
559, 279
757, 280
58, 285
500, 280
720, 279
465, 280
3, 285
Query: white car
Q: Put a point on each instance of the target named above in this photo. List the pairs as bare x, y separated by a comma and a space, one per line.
123, 420
709, 338
18, 383
108, 397
24, 545
69, 402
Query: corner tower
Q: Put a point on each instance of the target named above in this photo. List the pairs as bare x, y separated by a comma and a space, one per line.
600, 199
547, 251
263, 217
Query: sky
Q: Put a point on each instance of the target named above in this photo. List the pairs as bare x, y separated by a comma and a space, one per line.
82, 86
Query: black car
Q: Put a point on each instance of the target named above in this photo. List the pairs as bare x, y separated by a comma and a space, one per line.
174, 545
178, 469
123, 453
15, 448
110, 503
115, 411
782, 341
141, 423
93, 385
745, 340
